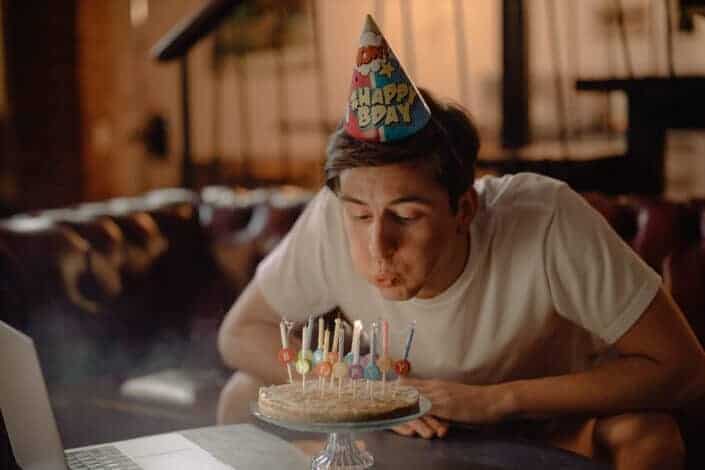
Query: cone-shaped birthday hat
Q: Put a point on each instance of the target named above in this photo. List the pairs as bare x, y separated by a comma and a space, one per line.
384, 105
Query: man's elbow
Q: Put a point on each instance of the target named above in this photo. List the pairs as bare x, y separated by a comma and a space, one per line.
690, 377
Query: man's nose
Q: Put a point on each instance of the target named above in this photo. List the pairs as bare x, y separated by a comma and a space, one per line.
382, 241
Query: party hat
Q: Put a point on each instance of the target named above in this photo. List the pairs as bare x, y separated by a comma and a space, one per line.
384, 105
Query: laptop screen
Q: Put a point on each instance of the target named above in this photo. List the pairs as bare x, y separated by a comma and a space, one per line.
24, 402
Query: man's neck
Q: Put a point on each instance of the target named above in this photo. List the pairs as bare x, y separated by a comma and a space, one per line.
449, 268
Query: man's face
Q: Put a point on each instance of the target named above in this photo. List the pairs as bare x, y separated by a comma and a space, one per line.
404, 239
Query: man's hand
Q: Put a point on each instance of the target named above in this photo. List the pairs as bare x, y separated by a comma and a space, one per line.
427, 427
480, 404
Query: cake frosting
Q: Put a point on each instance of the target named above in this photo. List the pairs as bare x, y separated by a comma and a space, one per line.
288, 402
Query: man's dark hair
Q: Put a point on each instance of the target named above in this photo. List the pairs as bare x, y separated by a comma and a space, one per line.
448, 144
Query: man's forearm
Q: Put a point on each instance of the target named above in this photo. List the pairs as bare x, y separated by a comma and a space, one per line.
624, 384
254, 349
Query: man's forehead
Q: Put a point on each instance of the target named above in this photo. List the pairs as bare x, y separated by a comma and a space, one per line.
391, 183
409, 199
411, 172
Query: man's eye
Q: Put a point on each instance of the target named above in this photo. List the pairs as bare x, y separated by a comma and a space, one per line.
360, 216
406, 218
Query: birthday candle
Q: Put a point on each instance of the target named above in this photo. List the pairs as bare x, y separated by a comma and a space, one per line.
402, 367
341, 347
356, 341
286, 356
373, 340
332, 356
408, 340
340, 369
306, 339
318, 355
385, 338
336, 333
320, 333
326, 342
282, 331
309, 330
324, 367
384, 362
303, 366
355, 371
371, 370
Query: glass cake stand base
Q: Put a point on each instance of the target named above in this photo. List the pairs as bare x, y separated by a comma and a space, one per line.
340, 452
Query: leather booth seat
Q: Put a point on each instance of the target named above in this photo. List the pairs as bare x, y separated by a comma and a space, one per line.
144, 242
105, 239
225, 211
137, 284
63, 281
245, 225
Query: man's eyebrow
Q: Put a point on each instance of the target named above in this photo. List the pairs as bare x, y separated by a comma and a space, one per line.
352, 200
412, 198
401, 200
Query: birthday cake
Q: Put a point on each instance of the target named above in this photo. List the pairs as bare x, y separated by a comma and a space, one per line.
339, 388
289, 403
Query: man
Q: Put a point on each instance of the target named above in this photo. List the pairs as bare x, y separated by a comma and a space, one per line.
527, 304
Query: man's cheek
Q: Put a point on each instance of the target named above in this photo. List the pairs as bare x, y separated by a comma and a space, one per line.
359, 257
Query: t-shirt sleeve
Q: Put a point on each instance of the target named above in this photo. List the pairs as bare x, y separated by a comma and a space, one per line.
294, 277
596, 280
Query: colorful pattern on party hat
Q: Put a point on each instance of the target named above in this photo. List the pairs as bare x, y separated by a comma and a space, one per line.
384, 105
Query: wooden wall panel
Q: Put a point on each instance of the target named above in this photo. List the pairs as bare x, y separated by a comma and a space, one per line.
43, 101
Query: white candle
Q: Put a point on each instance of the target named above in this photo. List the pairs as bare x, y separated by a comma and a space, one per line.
356, 341
341, 347
373, 340
282, 331
305, 339
326, 344
309, 331
336, 333
320, 333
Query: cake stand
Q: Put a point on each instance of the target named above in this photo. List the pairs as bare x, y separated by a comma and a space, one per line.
340, 452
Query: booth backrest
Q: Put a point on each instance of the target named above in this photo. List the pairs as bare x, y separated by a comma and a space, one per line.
104, 287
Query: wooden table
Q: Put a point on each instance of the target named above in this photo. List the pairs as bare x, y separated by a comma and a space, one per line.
103, 416
259, 445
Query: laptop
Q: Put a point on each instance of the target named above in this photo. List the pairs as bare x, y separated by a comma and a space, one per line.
34, 436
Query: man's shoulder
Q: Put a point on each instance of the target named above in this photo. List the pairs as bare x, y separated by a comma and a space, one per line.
325, 206
326, 198
322, 222
520, 190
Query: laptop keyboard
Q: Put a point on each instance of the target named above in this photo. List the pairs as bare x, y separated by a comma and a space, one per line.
103, 457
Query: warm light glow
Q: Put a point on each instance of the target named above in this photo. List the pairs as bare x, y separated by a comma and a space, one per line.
139, 12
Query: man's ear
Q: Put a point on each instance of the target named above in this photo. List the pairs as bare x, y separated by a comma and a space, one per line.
467, 208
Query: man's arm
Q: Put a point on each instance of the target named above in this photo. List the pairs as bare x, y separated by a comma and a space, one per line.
249, 337
661, 366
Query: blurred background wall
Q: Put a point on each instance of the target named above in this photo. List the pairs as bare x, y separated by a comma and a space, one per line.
84, 105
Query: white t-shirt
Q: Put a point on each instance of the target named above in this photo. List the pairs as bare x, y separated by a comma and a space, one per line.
547, 288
